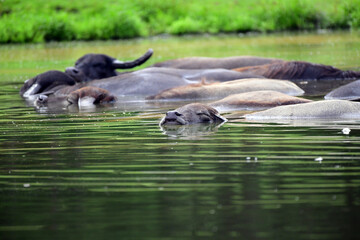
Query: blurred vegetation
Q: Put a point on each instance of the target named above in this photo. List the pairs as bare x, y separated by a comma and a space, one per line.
61, 20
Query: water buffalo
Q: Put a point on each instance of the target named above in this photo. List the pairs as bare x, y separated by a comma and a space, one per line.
208, 62
83, 97
220, 90
350, 91
314, 79
191, 114
199, 113
90, 95
293, 70
326, 109
256, 100
98, 66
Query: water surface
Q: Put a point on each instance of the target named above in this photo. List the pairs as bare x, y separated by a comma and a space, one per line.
113, 173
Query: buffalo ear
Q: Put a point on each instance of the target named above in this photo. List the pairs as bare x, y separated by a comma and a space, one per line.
73, 97
219, 118
130, 64
216, 115
100, 97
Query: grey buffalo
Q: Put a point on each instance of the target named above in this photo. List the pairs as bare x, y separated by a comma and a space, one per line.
350, 91
191, 114
326, 109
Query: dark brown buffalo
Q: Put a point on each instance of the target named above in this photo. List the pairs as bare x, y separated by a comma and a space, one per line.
191, 114
98, 66
314, 79
298, 70
208, 62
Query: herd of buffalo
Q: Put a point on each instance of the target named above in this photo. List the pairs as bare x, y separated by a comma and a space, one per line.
242, 82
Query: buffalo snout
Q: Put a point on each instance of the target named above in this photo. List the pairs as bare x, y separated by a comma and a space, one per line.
173, 117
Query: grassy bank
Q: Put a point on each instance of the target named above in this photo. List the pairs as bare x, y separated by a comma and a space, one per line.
60, 20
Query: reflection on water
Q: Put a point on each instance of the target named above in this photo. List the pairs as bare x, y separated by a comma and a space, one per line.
113, 173
192, 131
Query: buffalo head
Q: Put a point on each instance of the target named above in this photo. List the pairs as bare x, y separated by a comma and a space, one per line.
192, 113
45, 82
98, 66
90, 95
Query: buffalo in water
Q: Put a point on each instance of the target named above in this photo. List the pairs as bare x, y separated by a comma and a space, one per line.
83, 97
328, 109
201, 113
191, 114
350, 91
220, 90
299, 70
256, 100
99, 66
208, 62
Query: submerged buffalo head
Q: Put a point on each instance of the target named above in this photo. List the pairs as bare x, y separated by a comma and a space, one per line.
82, 97
98, 66
192, 113
45, 82
90, 95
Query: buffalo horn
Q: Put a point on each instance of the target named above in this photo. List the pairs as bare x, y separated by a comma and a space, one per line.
131, 64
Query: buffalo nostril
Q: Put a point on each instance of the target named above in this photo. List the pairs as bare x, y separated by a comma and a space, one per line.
174, 117
42, 98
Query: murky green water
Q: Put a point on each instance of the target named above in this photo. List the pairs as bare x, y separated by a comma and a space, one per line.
112, 173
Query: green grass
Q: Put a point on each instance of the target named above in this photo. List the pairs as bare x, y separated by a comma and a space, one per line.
60, 20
